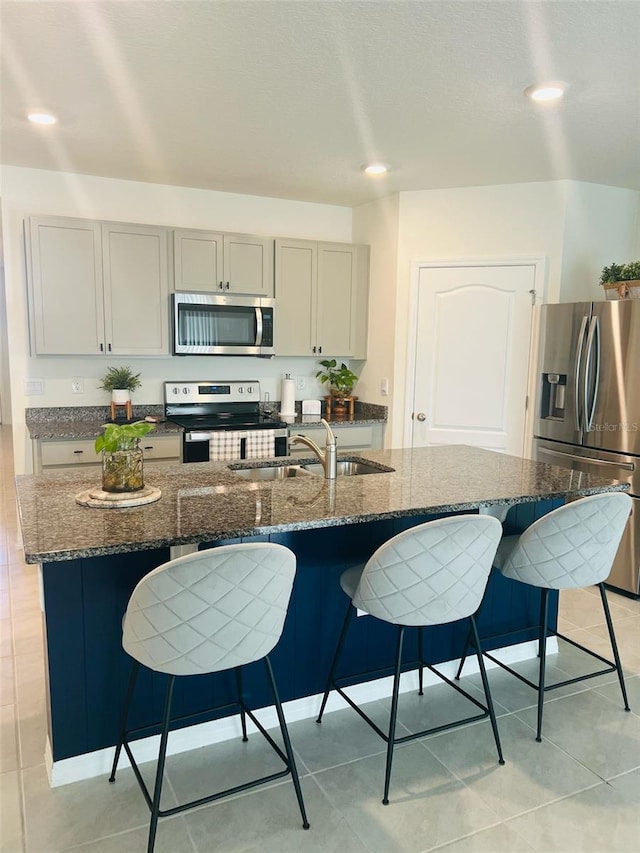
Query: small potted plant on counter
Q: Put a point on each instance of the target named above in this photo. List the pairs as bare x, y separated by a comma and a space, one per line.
120, 381
341, 381
122, 468
621, 281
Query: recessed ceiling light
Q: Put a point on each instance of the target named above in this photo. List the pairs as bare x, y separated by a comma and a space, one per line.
42, 118
375, 169
545, 91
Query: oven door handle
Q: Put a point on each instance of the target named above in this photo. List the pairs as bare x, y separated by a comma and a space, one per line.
197, 436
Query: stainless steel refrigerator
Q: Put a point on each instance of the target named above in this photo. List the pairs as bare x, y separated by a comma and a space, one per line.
588, 406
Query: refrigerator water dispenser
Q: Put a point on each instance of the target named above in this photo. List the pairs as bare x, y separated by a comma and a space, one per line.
552, 405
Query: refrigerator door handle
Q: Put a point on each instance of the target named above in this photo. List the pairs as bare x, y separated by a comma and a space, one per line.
579, 348
593, 346
624, 466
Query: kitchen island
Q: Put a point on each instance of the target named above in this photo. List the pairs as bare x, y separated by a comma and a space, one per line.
92, 558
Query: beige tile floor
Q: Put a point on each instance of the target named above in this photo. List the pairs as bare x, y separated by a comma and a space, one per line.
576, 792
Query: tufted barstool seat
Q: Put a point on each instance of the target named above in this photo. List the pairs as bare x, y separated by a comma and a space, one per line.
207, 612
431, 574
571, 547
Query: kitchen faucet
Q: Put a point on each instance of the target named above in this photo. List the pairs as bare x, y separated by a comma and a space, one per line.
328, 459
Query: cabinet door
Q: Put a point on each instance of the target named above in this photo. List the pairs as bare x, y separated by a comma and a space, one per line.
197, 261
296, 279
248, 264
65, 286
136, 290
335, 301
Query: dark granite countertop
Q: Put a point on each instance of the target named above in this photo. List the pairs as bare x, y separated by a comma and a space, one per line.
206, 501
51, 423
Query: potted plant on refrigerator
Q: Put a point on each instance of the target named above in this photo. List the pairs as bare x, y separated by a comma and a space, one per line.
122, 461
621, 281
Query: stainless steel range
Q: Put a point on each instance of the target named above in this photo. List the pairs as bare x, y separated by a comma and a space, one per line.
222, 420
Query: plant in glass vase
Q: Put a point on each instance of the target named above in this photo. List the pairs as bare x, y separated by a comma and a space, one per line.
122, 468
340, 379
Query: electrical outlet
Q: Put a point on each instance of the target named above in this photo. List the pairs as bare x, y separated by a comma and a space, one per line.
77, 385
33, 386
301, 383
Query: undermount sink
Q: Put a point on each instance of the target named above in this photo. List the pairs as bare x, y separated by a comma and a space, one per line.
270, 472
349, 468
345, 468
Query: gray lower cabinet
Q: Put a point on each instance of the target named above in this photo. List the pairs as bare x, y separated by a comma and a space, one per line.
322, 298
68, 453
210, 262
349, 437
97, 288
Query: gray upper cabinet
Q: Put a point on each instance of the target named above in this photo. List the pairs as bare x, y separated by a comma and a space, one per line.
97, 288
322, 292
205, 261
136, 289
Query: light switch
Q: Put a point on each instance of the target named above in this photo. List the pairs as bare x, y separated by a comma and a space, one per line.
384, 387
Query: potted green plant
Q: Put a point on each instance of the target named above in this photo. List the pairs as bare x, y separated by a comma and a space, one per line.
120, 381
621, 281
122, 463
340, 379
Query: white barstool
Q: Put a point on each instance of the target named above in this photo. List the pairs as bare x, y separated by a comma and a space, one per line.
203, 613
571, 547
431, 574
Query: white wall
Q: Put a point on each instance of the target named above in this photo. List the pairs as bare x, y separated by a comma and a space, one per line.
558, 221
376, 223
32, 191
602, 226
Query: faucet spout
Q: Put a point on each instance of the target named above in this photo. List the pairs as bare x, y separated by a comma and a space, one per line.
328, 459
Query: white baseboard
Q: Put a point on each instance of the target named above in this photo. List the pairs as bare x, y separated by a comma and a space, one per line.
98, 763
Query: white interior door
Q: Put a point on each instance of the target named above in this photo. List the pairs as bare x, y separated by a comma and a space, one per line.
472, 356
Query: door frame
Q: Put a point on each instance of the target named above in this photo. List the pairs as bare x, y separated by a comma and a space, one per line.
540, 276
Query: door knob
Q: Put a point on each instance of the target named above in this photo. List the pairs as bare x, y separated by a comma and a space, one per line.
421, 416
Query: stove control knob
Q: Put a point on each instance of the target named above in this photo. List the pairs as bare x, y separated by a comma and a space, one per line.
185, 390
240, 390
249, 389
176, 390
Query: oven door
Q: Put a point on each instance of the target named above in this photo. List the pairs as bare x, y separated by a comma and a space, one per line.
205, 324
226, 445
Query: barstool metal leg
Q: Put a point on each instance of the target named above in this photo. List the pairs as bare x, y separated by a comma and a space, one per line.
464, 654
421, 654
123, 719
334, 662
157, 791
243, 716
614, 645
287, 744
542, 651
487, 689
394, 717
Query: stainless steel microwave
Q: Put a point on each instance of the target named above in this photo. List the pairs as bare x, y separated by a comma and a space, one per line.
208, 324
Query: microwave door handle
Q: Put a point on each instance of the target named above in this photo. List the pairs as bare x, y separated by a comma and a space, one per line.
258, 327
593, 351
579, 347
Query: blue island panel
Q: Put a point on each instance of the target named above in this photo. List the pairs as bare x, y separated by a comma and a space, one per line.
85, 600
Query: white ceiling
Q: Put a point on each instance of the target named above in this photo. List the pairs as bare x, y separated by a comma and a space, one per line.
288, 99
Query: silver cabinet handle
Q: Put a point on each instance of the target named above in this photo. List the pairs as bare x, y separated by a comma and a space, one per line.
421, 416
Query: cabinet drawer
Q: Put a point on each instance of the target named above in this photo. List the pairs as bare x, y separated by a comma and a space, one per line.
161, 447
348, 438
68, 453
